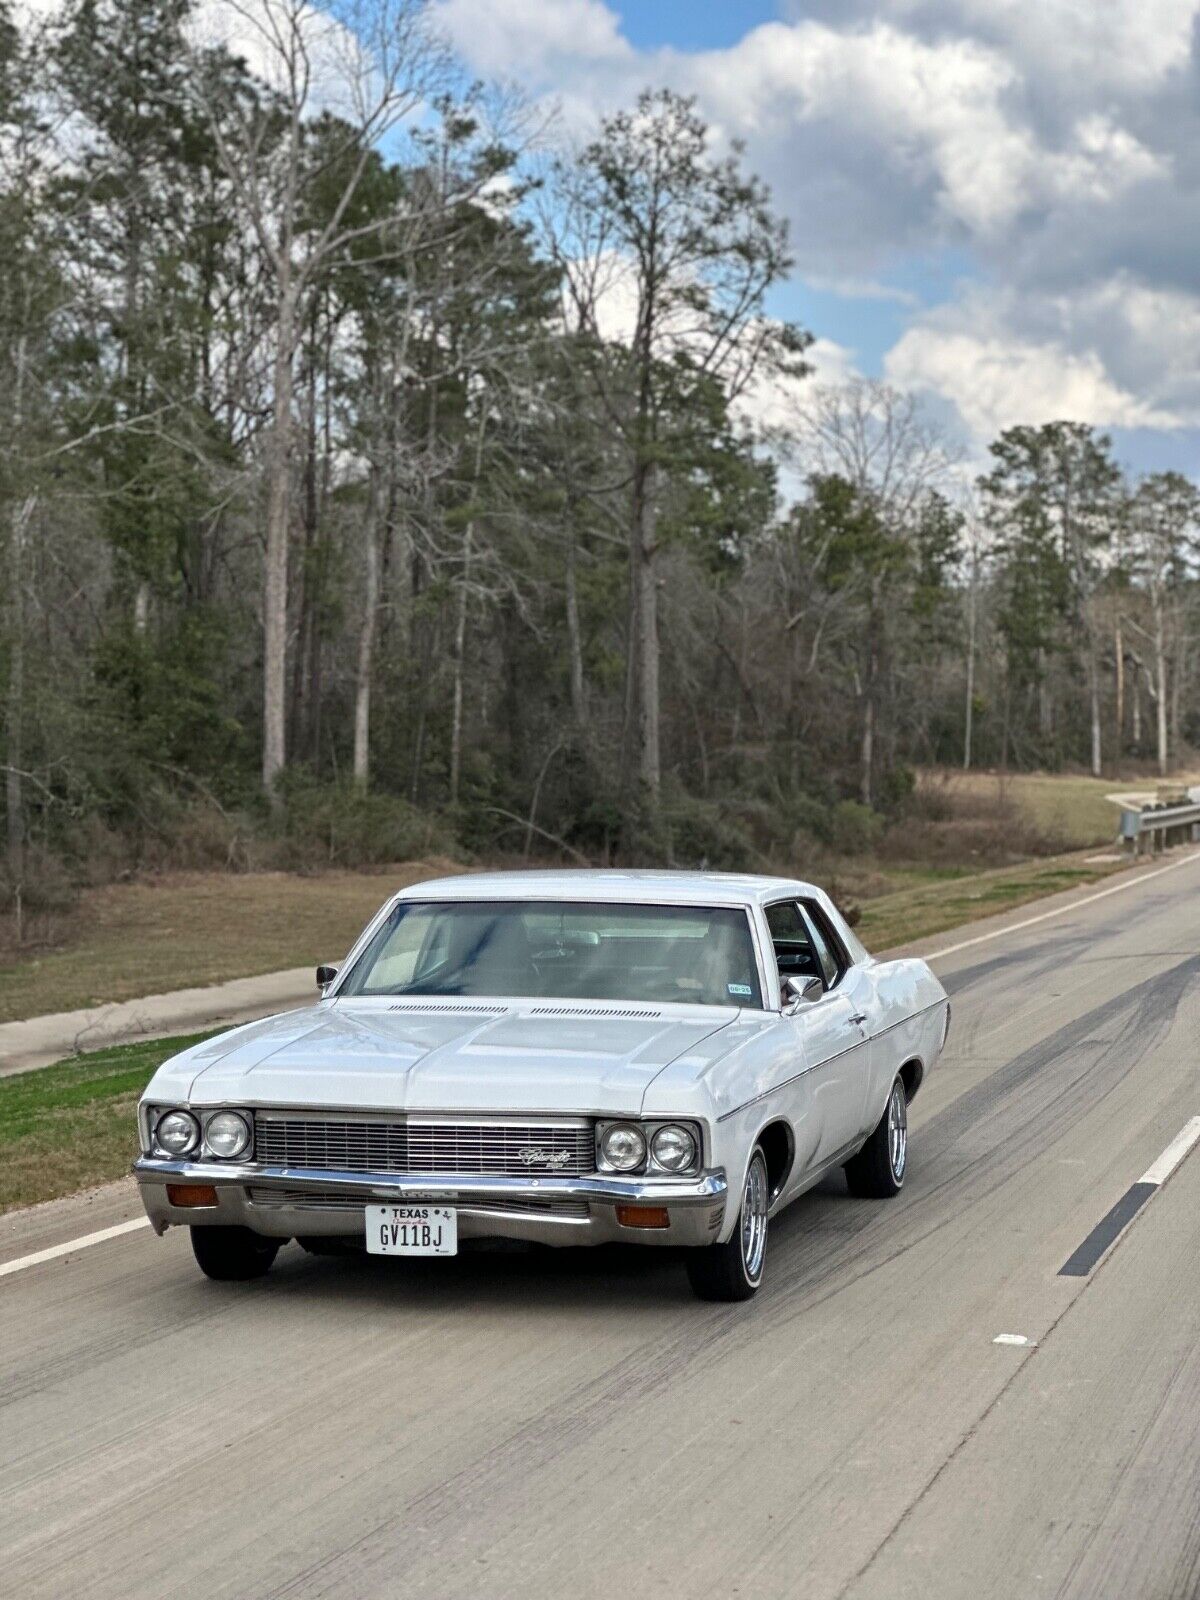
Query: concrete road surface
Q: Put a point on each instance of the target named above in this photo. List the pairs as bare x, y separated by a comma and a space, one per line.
576, 1425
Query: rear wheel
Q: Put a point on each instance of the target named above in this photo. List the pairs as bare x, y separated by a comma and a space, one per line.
877, 1171
232, 1255
734, 1270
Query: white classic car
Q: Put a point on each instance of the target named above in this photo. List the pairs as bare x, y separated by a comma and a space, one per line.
556, 1057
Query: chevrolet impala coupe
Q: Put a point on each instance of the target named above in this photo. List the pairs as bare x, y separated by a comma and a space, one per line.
556, 1057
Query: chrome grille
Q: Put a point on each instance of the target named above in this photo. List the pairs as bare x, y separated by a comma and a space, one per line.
343, 1200
483, 1149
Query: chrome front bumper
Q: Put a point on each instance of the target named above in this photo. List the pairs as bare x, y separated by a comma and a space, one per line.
288, 1202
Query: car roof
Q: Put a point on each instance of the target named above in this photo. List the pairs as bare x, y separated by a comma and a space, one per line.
611, 884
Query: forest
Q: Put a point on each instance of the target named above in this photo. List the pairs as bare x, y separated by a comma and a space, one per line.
383, 472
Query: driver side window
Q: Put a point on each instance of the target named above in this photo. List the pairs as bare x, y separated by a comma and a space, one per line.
794, 953
822, 944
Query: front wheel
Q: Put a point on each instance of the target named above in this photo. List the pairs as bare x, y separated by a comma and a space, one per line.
232, 1255
734, 1270
877, 1171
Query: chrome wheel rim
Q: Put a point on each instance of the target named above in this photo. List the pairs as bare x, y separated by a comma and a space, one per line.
898, 1130
755, 1203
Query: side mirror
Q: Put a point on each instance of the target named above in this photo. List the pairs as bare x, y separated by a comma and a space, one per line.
325, 976
795, 993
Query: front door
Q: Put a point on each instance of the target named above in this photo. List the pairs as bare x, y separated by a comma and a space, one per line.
831, 1031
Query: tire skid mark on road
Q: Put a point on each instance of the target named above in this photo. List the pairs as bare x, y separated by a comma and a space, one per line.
1041, 957
1019, 1132
1052, 952
1064, 910
1150, 1009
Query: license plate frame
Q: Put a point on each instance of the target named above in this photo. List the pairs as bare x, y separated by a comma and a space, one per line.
411, 1230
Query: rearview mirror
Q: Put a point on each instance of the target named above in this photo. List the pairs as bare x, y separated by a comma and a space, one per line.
796, 993
325, 976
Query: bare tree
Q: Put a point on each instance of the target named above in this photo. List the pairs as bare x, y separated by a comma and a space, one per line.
1164, 518
975, 535
362, 67
880, 442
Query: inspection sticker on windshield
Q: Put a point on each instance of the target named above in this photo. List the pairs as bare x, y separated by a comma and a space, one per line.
411, 1231
740, 988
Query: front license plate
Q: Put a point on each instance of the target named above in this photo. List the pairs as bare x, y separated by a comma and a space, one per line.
412, 1231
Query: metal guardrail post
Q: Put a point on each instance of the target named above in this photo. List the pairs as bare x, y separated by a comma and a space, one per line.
1159, 825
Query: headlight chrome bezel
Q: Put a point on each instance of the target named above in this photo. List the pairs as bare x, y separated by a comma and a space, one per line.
604, 1162
199, 1146
693, 1146
193, 1144
648, 1131
244, 1147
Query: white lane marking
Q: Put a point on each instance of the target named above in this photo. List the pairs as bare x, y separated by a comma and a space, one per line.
1062, 911
1013, 1338
82, 1243
1179, 1146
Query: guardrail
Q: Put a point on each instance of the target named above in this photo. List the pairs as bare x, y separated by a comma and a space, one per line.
1160, 825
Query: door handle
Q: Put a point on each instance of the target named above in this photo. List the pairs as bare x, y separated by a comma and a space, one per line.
860, 1016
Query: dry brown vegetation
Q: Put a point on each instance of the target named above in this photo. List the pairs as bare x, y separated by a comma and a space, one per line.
184, 929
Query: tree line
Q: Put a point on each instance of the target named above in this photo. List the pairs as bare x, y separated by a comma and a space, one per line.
376, 471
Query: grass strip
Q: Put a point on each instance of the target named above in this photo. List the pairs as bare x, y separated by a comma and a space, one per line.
70, 1126
916, 913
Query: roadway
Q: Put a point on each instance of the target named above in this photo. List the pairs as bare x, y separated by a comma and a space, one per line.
575, 1424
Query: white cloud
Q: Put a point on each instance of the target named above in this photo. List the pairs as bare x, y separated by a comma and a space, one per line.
772, 402
1101, 163
1089, 44
930, 117
997, 381
522, 38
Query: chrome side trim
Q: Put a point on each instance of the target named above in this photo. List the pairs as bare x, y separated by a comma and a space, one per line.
911, 1017
786, 1083
825, 1060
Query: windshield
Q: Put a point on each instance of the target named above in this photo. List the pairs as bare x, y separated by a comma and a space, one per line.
560, 950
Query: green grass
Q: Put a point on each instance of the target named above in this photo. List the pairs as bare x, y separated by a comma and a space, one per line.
70, 1126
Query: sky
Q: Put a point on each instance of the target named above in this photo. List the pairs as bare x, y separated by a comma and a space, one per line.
991, 202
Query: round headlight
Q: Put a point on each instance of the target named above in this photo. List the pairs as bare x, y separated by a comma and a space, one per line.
177, 1132
673, 1148
623, 1147
227, 1134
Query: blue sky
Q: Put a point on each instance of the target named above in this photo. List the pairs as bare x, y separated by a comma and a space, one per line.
992, 203
704, 25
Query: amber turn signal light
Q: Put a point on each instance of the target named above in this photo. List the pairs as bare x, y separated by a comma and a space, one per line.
191, 1194
643, 1216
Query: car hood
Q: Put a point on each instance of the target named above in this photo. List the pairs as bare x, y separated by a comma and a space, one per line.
368, 1055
